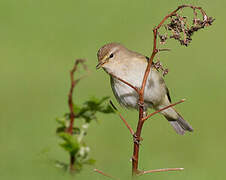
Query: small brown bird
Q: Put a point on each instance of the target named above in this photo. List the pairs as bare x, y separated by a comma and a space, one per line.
130, 66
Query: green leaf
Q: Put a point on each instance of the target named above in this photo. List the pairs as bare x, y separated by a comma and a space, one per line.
108, 109
104, 99
61, 121
61, 165
78, 165
70, 143
90, 161
60, 129
67, 116
76, 130
77, 109
94, 103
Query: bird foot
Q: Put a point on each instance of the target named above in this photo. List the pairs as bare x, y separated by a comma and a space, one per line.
137, 139
141, 104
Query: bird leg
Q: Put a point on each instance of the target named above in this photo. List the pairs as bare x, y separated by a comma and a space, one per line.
137, 139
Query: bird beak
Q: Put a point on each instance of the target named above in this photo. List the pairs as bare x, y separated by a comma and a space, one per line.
99, 65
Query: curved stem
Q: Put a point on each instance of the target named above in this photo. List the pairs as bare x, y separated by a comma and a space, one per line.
135, 160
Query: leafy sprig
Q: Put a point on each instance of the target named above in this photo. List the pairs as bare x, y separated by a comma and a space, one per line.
74, 143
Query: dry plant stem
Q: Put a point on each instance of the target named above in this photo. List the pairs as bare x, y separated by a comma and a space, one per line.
102, 173
164, 49
161, 170
72, 162
122, 118
70, 103
135, 158
171, 105
127, 125
125, 82
70, 95
137, 135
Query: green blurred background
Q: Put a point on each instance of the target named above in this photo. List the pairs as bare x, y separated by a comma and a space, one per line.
40, 39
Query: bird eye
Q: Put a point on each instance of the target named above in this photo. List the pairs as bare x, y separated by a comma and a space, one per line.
111, 55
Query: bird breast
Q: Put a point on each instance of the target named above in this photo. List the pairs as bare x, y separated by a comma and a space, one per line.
154, 93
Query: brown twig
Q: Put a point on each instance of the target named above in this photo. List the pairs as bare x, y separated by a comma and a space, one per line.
71, 104
70, 95
125, 82
127, 125
122, 118
161, 170
135, 158
164, 49
104, 174
171, 105
206, 21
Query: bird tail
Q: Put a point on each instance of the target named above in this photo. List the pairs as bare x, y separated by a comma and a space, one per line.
179, 124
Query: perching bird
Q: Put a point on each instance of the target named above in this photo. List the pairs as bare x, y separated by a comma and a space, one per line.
130, 66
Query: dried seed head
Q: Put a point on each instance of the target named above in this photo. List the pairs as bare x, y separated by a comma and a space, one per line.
165, 72
163, 38
209, 21
158, 66
181, 30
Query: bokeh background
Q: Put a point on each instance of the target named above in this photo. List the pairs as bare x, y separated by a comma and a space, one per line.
40, 39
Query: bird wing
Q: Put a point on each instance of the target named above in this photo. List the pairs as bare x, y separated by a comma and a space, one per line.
168, 94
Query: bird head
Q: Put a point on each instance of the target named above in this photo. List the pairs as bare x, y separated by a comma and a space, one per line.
108, 55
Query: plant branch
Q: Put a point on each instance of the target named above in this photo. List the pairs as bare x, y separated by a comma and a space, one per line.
125, 82
141, 121
70, 95
161, 170
122, 118
104, 174
164, 49
140, 91
162, 109
127, 125
155, 32
74, 82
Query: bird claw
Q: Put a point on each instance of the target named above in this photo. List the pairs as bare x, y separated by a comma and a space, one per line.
136, 139
141, 104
